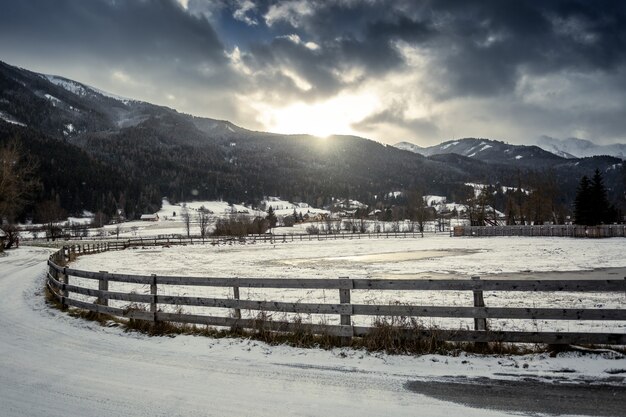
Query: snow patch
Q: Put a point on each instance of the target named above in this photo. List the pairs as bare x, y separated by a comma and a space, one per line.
69, 128
432, 200
394, 194
82, 90
10, 119
519, 157
52, 99
71, 86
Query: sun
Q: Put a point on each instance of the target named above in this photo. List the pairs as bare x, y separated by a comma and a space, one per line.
323, 118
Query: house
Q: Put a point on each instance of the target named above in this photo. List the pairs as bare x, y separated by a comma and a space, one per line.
149, 217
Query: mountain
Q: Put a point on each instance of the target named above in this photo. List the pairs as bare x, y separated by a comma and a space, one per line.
580, 148
411, 147
100, 152
490, 151
97, 151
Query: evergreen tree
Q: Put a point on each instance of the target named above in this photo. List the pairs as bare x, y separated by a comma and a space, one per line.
592, 206
582, 203
600, 206
271, 217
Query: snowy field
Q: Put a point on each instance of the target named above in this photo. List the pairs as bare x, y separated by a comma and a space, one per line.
435, 256
170, 220
55, 365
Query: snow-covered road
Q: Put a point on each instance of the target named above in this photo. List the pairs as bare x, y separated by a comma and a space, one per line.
55, 365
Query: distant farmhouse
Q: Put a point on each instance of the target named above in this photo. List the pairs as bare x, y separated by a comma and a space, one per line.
149, 217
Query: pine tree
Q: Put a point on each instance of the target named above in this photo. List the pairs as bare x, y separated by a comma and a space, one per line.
271, 217
582, 206
600, 206
592, 206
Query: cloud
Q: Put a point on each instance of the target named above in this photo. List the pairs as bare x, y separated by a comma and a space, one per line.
395, 117
241, 13
291, 12
156, 44
439, 68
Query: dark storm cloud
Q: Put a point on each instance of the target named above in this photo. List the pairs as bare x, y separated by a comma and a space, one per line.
212, 51
394, 116
479, 48
156, 36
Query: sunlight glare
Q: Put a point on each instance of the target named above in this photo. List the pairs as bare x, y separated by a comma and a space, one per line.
322, 119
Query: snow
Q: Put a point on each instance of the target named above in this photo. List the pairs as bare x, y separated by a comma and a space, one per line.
82, 90
277, 204
484, 148
349, 204
478, 188
69, 128
124, 100
471, 155
432, 257
71, 86
432, 200
53, 364
10, 119
457, 257
518, 157
52, 99
394, 194
80, 220
286, 208
215, 207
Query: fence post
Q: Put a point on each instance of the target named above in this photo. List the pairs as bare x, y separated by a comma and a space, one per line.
103, 285
480, 324
236, 297
65, 279
153, 293
344, 299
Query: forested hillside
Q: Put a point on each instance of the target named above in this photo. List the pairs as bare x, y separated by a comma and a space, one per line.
98, 152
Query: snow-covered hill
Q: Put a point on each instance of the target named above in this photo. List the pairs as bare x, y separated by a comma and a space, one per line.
411, 147
580, 148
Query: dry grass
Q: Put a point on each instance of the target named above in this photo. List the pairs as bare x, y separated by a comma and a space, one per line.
392, 335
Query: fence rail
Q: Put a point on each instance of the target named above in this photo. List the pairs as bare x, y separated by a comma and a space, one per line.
59, 282
614, 230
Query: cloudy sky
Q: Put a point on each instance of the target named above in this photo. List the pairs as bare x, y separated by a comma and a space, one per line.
421, 71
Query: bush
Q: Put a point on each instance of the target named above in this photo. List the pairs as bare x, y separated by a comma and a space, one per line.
240, 226
313, 230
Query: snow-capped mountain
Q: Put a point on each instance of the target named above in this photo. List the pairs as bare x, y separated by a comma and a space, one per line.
580, 148
486, 150
411, 147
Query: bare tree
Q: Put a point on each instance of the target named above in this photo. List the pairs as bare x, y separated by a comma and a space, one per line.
186, 216
12, 236
49, 213
203, 222
418, 211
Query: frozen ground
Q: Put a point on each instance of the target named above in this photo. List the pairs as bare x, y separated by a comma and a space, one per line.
431, 256
55, 365
435, 256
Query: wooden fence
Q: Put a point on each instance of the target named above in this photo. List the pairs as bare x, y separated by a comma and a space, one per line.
60, 283
616, 230
177, 239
